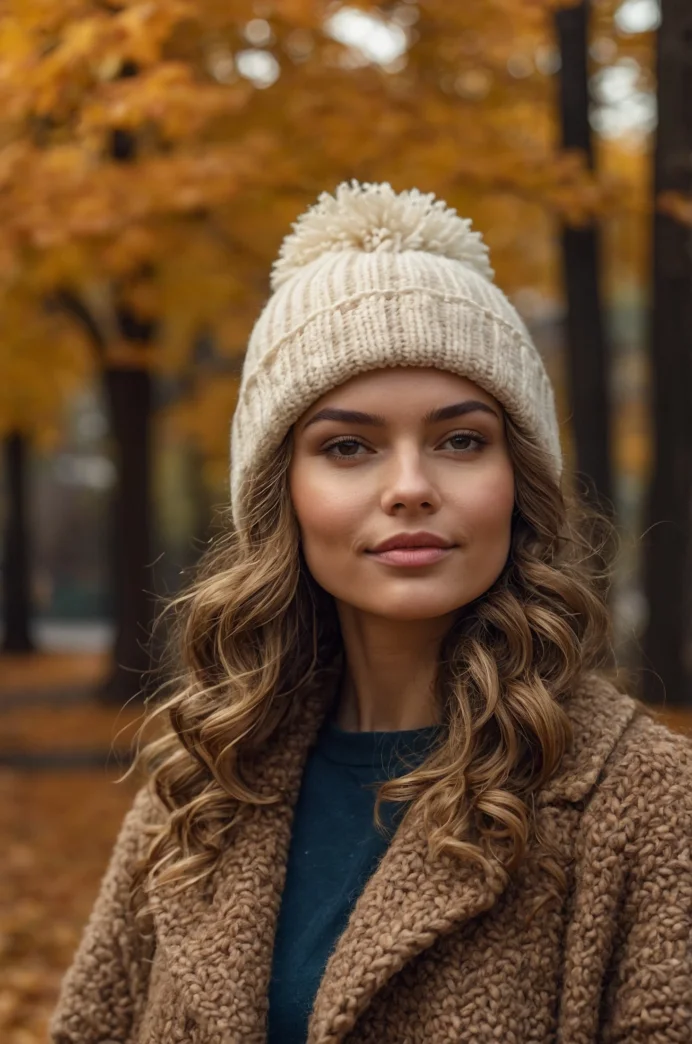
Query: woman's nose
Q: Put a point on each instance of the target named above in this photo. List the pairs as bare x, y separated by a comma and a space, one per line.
408, 483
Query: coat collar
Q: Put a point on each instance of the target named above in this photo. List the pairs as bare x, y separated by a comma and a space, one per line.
218, 937
599, 714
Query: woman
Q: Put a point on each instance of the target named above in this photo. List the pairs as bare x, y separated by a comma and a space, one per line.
399, 797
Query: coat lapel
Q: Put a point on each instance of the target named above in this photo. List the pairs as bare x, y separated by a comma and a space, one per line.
409, 901
599, 714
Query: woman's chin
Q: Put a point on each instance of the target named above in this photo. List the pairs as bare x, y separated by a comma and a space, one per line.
413, 606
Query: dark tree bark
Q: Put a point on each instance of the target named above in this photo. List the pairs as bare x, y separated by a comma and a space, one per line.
130, 407
129, 397
16, 607
587, 357
668, 534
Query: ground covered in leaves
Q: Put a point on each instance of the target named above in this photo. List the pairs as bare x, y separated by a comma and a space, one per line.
57, 828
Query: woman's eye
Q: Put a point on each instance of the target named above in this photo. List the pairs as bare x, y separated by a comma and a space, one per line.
343, 449
461, 441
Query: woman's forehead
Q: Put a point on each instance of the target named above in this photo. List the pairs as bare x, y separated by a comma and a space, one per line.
403, 386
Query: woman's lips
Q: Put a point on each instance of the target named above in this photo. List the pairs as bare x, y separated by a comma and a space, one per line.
411, 556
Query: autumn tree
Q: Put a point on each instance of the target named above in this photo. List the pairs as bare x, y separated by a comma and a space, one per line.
153, 153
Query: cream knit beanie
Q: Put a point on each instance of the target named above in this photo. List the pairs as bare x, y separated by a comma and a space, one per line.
371, 278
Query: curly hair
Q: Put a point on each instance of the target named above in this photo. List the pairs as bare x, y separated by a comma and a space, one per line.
254, 630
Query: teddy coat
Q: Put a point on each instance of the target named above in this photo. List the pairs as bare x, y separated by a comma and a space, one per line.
435, 951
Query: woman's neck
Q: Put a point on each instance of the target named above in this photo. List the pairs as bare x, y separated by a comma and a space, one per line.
389, 673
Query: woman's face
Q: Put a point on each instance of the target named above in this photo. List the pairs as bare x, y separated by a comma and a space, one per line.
414, 454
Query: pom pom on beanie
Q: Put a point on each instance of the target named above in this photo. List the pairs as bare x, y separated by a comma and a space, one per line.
370, 278
373, 217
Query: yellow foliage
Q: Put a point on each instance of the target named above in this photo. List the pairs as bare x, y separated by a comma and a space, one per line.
204, 416
142, 167
166, 95
42, 361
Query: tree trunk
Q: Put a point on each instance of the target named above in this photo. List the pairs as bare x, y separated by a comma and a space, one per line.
668, 536
130, 408
16, 609
587, 361
129, 396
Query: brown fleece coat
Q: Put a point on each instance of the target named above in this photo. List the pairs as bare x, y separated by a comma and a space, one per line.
434, 951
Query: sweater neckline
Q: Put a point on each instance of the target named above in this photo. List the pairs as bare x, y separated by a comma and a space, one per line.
376, 748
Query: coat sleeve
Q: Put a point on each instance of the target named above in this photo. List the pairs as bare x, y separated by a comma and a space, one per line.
649, 994
106, 985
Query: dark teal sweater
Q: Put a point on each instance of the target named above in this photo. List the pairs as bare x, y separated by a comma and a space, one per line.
335, 847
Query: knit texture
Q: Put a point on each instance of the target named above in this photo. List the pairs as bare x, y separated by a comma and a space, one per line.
433, 951
370, 278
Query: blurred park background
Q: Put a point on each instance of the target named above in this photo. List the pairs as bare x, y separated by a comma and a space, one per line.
152, 155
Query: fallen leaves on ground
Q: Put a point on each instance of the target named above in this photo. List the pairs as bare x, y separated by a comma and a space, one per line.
51, 670
43, 727
56, 831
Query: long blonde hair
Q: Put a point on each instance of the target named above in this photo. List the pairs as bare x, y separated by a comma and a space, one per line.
255, 628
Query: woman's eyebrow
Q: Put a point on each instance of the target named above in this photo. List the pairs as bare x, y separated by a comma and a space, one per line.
347, 416
457, 409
